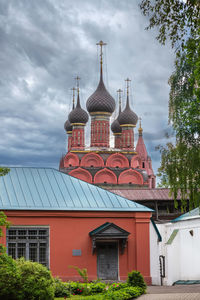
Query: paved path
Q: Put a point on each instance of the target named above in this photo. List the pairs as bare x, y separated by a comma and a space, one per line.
177, 292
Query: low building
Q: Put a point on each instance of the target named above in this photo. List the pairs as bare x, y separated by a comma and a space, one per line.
158, 199
178, 251
60, 221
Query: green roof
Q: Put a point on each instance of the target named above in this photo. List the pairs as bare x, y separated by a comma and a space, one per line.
189, 215
49, 189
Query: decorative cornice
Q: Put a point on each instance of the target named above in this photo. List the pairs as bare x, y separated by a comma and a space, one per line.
76, 124
127, 125
100, 113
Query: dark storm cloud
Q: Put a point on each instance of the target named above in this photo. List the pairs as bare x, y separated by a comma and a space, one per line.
44, 44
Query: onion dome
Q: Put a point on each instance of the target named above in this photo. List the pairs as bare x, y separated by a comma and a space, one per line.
100, 100
115, 127
78, 115
127, 116
67, 126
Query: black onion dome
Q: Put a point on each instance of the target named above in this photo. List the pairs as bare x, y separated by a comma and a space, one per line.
67, 126
127, 116
115, 127
78, 115
100, 100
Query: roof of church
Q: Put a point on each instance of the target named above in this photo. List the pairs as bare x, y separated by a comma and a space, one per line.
145, 194
100, 100
141, 148
28, 188
78, 115
127, 116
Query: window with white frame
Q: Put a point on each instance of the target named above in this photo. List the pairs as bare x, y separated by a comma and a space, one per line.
32, 243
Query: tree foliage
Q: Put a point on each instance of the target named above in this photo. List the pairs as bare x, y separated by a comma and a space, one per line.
180, 22
176, 19
3, 218
4, 171
3, 223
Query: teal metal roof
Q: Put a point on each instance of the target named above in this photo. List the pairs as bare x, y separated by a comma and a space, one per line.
48, 189
193, 213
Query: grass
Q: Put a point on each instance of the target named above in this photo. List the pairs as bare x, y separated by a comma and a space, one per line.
79, 297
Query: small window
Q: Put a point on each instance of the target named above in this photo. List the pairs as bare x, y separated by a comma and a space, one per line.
143, 165
130, 182
70, 165
105, 182
30, 243
91, 166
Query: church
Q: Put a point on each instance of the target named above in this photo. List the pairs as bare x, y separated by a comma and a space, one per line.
123, 166
69, 217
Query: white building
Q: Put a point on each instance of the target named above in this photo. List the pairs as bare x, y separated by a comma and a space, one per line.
180, 247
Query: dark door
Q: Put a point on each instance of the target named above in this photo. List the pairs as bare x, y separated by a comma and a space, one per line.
107, 261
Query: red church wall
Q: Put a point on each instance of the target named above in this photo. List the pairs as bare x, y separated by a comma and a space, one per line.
100, 132
81, 174
71, 160
70, 230
92, 160
105, 176
130, 176
136, 162
117, 160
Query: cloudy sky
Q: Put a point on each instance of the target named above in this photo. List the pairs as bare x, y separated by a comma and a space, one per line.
45, 44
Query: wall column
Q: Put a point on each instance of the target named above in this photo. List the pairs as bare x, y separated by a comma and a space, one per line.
142, 232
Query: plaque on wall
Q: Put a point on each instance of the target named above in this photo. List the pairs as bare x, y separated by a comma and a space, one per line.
76, 252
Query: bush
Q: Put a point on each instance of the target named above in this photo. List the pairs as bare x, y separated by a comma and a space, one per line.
136, 279
37, 282
124, 293
77, 288
96, 288
61, 288
117, 286
22, 280
9, 278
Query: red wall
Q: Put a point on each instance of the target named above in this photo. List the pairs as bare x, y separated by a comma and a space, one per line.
70, 230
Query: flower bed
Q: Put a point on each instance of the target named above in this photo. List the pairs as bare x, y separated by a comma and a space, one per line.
133, 288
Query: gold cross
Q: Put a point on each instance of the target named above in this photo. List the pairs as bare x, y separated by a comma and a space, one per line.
127, 80
73, 99
101, 44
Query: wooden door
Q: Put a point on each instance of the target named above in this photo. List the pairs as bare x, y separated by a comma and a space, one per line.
107, 261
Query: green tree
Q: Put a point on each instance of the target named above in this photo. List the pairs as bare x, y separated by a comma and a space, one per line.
3, 218
180, 22
3, 223
4, 171
176, 19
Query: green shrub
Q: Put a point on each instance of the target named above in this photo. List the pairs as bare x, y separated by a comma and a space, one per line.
96, 288
37, 282
77, 288
124, 293
134, 292
61, 288
117, 295
82, 272
9, 278
22, 280
117, 286
135, 278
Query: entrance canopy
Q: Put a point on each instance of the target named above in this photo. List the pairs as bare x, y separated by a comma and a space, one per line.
109, 232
